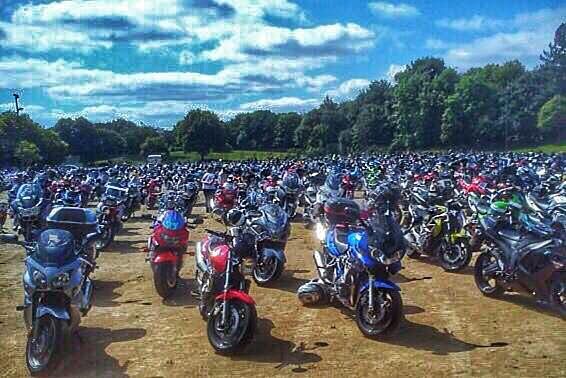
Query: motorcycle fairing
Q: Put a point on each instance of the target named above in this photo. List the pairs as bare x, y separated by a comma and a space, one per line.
235, 294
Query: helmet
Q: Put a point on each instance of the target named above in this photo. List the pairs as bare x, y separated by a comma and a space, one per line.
235, 218
312, 293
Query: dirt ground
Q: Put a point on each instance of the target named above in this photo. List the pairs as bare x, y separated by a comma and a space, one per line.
450, 328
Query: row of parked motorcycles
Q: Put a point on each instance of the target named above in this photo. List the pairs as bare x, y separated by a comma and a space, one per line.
510, 209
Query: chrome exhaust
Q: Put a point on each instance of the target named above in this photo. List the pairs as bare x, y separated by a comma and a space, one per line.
320, 266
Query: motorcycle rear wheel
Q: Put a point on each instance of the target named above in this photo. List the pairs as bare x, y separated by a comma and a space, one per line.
165, 279
486, 283
50, 334
242, 319
387, 321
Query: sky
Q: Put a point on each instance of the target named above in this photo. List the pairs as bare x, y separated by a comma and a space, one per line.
152, 61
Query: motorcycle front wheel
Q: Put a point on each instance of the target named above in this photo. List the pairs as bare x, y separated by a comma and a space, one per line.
384, 320
267, 270
454, 257
165, 279
43, 350
485, 271
236, 334
558, 293
105, 239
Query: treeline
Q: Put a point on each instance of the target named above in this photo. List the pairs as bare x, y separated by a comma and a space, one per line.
430, 105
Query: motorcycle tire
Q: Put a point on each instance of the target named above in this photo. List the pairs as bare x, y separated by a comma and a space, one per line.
105, 240
558, 293
273, 276
230, 343
388, 323
451, 264
44, 363
482, 281
165, 279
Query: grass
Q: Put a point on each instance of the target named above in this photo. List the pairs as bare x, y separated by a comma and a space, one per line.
232, 155
546, 148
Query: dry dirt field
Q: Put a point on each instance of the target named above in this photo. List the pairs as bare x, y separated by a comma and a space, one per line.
450, 328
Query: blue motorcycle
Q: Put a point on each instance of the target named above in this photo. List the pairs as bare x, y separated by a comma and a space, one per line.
354, 268
57, 287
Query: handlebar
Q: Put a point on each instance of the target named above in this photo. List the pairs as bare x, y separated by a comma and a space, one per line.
222, 235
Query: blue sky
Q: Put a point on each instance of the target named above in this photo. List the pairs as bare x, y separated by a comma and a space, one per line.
152, 61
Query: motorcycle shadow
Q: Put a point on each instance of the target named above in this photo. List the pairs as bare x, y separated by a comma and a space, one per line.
529, 303
288, 282
424, 337
401, 278
182, 296
105, 294
87, 353
126, 246
268, 349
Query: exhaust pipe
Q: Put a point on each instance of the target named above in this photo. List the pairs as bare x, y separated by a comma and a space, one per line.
200, 263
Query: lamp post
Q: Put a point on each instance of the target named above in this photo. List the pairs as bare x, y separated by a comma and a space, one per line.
16, 98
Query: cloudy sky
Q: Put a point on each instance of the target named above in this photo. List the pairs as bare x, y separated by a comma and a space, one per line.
153, 60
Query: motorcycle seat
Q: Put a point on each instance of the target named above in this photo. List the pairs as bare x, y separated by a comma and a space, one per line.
510, 235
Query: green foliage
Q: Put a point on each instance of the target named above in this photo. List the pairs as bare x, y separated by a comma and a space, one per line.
552, 117
26, 153
154, 145
201, 131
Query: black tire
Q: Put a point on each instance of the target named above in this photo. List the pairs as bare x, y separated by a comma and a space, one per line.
486, 259
389, 321
558, 293
265, 278
455, 257
44, 363
243, 334
165, 279
105, 239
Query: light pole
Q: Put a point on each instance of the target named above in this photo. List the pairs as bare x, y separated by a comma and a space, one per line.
16, 97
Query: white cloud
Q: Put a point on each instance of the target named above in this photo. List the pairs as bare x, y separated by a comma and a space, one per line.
436, 44
393, 70
474, 23
283, 104
522, 37
382, 8
349, 88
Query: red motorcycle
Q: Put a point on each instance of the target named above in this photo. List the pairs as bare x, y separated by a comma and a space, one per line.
347, 187
151, 193
224, 300
166, 247
224, 199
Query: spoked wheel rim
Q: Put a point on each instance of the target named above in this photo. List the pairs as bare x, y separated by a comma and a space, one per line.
381, 316
558, 295
235, 327
266, 269
100, 243
40, 348
486, 269
454, 255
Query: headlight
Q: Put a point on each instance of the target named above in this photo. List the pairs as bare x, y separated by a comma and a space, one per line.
320, 232
61, 280
39, 278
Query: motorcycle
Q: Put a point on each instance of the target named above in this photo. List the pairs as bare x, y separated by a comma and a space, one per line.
223, 291
224, 200
58, 290
354, 268
166, 247
532, 261
109, 218
29, 210
288, 193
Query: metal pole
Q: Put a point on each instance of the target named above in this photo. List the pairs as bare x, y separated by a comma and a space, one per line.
16, 97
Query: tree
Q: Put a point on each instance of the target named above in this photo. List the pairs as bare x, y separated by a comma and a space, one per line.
285, 128
154, 145
554, 58
200, 131
26, 153
552, 117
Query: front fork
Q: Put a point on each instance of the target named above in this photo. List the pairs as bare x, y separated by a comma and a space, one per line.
370, 294
226, 284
